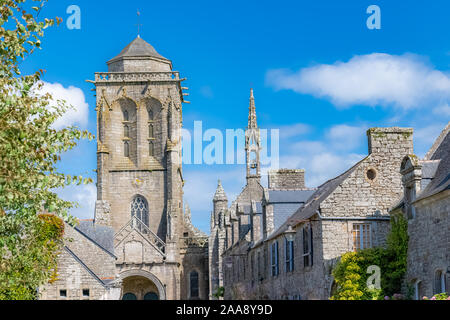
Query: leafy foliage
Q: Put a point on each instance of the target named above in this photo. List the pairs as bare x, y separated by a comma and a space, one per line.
351, 275
439, 296
219, 292
29, 150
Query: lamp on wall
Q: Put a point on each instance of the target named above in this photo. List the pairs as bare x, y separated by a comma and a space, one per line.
290, 233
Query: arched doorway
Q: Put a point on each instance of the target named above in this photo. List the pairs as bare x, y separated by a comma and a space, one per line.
143, 285
129, 296
151, 296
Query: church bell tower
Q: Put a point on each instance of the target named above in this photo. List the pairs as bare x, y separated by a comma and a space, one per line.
139, 169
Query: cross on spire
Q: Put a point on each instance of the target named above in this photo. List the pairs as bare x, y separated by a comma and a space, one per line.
138, 23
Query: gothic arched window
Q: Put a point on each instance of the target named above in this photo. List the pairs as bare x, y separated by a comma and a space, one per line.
139, 209
125, 115
193, 284
150, 130
439, 282
126, 149
150, 115
126, 131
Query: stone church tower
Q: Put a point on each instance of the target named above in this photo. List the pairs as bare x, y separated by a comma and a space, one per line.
139, 171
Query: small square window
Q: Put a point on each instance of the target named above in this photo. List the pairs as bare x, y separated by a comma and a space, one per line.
63, 293
86, 293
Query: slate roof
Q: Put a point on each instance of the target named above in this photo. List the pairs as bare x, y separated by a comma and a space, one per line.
70, 252
286, 202
289, 196
138, 48
102, 236
311, 206
247, 209
429, 169
441, 180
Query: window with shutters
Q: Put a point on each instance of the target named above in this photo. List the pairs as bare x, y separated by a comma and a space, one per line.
274, 254
307, 246
289, 255
362, 238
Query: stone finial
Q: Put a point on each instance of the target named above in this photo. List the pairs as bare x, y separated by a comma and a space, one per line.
252, 112
220, 194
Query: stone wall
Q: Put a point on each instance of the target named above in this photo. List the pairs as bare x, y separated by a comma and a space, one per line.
287, 179
99, 261
429, 243
73, 278
365, 195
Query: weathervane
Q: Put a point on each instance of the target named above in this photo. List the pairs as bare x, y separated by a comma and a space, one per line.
138, 24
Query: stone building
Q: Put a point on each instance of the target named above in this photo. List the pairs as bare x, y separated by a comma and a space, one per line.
227, 226
284, 242
426, 205
158, 254
86, 265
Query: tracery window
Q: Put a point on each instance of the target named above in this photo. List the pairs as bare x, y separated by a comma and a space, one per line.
139, 209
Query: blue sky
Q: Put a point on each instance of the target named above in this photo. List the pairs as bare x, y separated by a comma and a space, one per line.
318, 73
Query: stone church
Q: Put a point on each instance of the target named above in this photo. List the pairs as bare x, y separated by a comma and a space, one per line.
141, 244
276, 242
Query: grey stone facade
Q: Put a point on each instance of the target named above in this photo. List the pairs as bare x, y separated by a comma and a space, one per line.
258, 260
426, 206
158, 254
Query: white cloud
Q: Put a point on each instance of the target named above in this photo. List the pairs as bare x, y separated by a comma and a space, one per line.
74, 97
320, 166
442, 110
84, 195
201, 185
345, 137
425, 137
404, 81
294, 130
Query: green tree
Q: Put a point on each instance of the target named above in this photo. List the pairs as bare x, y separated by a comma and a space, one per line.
350, 273
30, 148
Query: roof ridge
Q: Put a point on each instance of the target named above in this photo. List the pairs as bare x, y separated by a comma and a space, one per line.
438, 142
78, 259
96, 243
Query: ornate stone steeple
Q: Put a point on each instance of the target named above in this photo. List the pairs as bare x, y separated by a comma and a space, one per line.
220, 194
252, 143
252, 112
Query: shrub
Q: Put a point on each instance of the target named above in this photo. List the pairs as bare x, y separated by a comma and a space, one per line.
350, 273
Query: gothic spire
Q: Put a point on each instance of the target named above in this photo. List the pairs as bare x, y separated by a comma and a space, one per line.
252, 142
220, 194
252, 112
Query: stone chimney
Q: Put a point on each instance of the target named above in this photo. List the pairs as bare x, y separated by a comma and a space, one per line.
393, 141
287, 179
